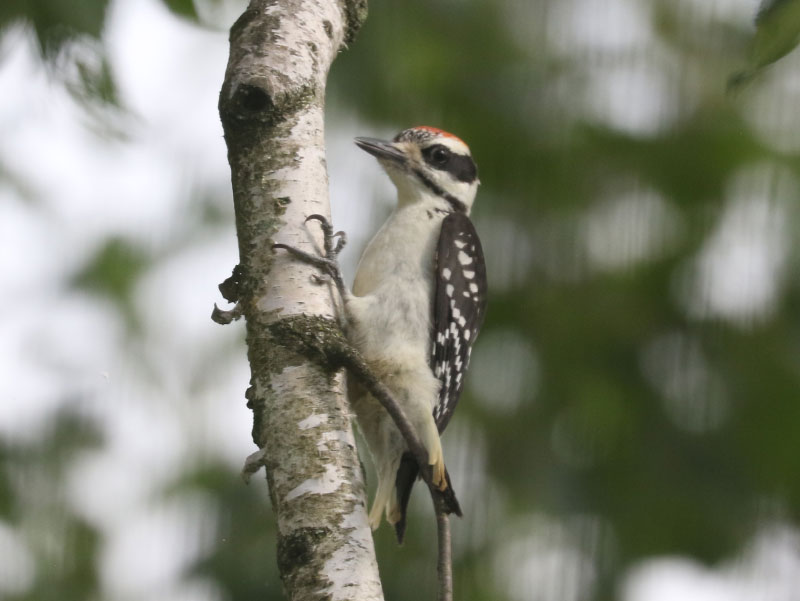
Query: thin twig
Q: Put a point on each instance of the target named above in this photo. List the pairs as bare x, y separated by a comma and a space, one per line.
445, 562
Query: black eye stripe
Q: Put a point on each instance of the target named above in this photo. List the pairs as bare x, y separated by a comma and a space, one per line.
460, 166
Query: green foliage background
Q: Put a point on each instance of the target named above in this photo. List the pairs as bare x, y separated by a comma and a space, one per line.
637, 414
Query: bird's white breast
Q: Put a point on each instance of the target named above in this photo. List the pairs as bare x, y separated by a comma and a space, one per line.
393, 288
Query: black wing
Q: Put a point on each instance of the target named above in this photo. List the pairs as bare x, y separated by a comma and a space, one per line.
459, 307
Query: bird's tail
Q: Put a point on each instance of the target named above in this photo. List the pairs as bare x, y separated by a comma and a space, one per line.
407, 475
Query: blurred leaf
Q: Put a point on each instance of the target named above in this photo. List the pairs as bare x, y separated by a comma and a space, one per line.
69, 39
55, 21
777, 34
33, 487
777, 30
88, 77
244, 562
96, 81
113, 272
183, 8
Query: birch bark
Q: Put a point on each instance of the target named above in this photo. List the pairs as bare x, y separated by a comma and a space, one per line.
271, 105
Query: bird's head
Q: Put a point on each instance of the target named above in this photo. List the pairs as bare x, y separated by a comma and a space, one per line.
426, 163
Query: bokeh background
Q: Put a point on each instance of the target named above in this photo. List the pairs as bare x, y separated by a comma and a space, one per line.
631, 425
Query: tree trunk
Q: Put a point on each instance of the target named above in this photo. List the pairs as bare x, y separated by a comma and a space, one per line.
272, 105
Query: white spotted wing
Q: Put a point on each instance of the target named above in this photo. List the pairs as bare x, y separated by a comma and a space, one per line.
458, 309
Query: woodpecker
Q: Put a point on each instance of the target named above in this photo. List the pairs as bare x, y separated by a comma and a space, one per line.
416, 306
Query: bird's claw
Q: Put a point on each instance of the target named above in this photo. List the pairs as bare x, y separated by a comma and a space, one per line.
318, 261
332, 249
322, 219
340, 243
327, 262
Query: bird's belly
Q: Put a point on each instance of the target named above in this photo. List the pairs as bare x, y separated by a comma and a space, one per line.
392, 310
392, 327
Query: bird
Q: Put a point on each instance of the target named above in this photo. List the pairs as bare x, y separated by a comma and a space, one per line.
417, 303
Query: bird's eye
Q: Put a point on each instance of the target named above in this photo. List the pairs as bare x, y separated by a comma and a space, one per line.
439, 155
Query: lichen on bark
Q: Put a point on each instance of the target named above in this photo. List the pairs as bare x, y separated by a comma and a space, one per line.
272, 107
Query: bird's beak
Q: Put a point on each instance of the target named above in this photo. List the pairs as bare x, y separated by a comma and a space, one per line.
381, 149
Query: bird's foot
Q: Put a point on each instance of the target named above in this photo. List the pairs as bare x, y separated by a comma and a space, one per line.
438, 475
328, 262
253, 463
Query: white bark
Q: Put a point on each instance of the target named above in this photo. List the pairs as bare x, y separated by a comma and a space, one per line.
272, 106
